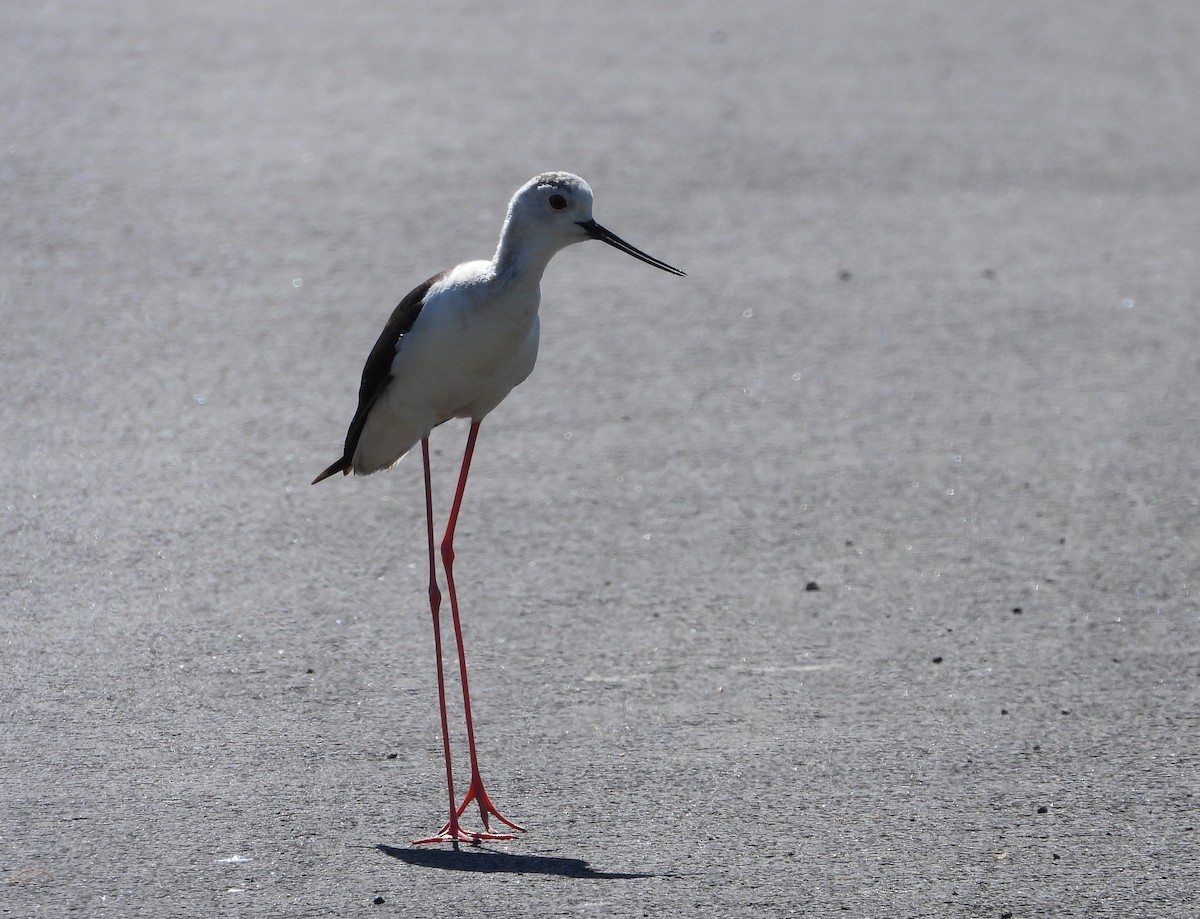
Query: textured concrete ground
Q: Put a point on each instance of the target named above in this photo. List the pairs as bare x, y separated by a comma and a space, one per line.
936, 355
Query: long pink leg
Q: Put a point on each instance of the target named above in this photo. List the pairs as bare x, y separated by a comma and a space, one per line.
451, 832
475, 791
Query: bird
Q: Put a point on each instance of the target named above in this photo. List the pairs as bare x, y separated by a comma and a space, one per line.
455, 347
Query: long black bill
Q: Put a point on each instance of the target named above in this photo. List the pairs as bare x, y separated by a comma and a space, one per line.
595, 231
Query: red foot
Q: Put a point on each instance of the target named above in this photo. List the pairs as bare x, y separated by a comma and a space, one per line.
477, 793
453, 832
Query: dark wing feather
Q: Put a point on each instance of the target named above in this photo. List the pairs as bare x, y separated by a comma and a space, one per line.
377, 372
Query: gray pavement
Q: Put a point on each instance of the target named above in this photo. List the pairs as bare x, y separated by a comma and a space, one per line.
936, 355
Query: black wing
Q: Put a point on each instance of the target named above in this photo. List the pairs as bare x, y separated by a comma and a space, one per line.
377, 372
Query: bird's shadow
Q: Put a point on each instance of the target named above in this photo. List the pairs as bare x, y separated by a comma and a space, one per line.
489, 862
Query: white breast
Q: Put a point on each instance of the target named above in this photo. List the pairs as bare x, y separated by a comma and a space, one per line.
474, 340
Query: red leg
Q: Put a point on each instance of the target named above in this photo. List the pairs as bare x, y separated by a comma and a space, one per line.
475, 791
451, 832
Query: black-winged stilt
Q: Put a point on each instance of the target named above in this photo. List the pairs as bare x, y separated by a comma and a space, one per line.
454, 348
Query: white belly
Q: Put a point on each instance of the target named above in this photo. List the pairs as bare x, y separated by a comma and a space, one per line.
459, 361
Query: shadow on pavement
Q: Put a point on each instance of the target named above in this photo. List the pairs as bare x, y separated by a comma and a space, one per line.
503, 863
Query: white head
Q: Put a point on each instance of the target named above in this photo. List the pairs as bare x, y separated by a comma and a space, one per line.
552, 211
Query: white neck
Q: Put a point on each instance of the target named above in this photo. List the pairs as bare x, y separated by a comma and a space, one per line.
522, 258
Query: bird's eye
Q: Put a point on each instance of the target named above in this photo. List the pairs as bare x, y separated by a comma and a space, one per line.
558, 202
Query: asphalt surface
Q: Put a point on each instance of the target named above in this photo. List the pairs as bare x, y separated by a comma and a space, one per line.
853, 574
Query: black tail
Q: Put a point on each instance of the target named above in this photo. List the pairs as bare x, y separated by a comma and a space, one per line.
342, 466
